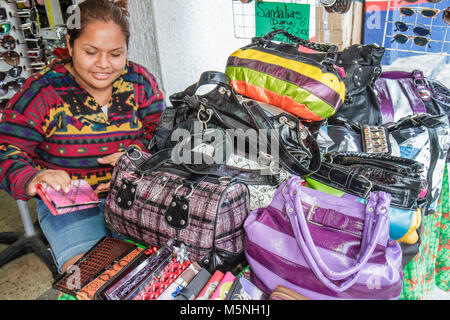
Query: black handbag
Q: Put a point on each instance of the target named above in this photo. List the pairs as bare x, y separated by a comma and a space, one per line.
362, 66
361, 173
288, 142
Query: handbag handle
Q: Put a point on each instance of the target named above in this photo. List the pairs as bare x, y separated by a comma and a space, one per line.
376, 208
320, 47
206, 78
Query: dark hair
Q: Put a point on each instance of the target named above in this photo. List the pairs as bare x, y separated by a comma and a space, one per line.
101, 10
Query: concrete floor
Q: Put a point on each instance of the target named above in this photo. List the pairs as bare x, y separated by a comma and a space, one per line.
27, 277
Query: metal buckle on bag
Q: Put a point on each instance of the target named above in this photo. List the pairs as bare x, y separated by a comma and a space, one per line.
209, 112
190, 193
129, 152
225, 180
309, 216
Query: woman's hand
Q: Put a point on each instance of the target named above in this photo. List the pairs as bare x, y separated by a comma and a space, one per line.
111, 160
57, 179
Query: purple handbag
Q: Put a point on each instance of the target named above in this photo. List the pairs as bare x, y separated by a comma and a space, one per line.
402, 94
322, 246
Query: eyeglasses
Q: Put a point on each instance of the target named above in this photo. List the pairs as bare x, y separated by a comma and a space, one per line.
32, 27
26, 13
5, 27
427, 13
3, 14
8, 42
35, 66
11, 57
418, 41
446, 15
15, 85
420, 31
14, 72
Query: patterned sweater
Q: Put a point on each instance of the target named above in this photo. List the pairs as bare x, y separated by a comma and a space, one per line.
54, 123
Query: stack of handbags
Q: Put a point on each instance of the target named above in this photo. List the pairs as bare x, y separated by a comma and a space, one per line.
417, 148
324, 247
237, 132
187, 188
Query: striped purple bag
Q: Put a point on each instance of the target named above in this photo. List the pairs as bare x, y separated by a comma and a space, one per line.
206, 213
324, 247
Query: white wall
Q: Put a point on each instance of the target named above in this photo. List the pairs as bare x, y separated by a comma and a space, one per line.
183, 37
142, 47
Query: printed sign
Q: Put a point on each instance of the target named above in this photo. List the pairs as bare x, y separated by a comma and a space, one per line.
292, 17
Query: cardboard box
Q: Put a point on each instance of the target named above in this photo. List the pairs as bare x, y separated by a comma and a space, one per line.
342, 30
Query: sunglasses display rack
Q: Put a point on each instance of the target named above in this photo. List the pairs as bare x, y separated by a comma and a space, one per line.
21, 48
415, 27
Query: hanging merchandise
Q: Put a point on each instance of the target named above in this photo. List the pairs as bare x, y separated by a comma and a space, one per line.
19, 30
324, 247
337, 6
408, 28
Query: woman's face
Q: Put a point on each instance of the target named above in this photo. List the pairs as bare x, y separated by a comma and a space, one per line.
98, 55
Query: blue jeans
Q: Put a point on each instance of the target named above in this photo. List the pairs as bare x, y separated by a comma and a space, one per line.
72, 233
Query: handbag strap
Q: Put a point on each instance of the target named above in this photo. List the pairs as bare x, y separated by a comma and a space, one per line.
375, 221
320, 47
257, 119
206, 78
224, 173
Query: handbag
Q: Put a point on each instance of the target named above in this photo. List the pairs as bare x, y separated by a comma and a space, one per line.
422, 138
307, 85
324, 247
360, 173
362, 66
152, 200
286, 142
402, 94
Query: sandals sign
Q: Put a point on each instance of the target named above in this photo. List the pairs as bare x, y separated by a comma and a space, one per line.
292, 17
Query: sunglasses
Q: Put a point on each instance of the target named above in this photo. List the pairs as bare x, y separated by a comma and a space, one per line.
14, 72
26, 14
3, 15
31, 27
5, 27
418, 41
15, 85
11, 57
420, 31
35, 66
446, 15
427, 13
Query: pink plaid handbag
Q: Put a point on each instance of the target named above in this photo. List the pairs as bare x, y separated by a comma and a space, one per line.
153, 203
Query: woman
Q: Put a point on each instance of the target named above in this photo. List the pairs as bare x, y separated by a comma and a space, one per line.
73, 120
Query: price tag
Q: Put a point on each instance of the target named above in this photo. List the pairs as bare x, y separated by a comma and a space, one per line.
292, 17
